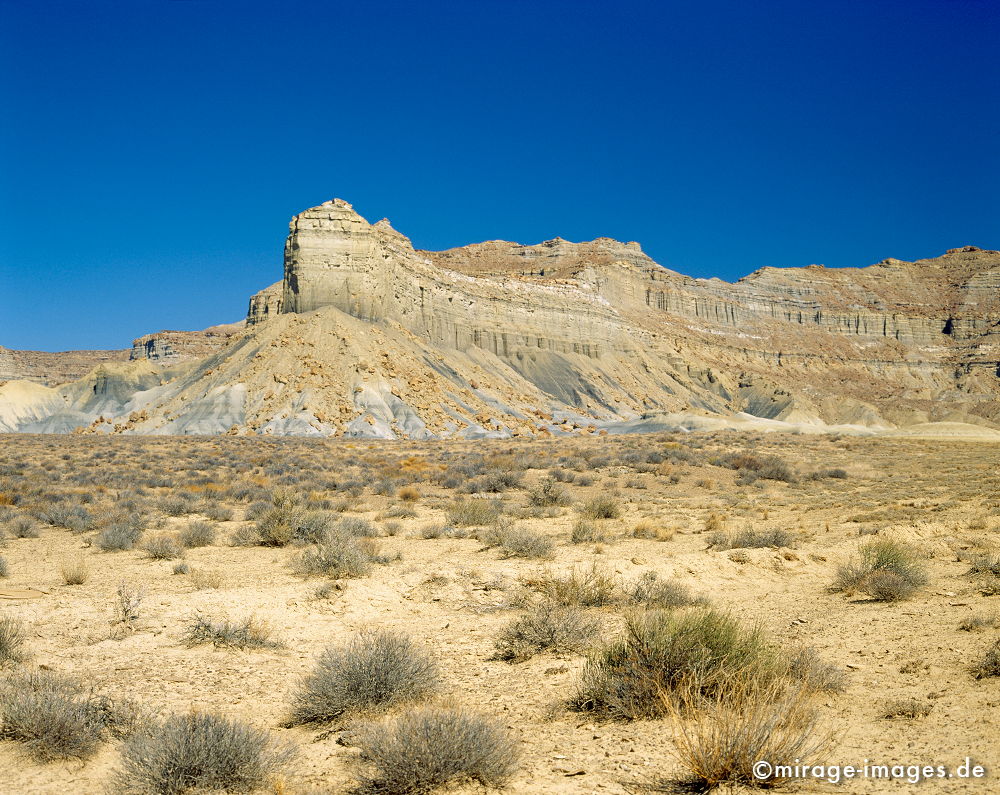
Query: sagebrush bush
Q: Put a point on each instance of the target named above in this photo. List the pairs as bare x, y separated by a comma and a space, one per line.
12, 640
4, 568
162, 547
373, 671
886, 570
592, 587
601, 508
216, 512
494, 482
339, 556
408, 494
546, 627
126, 605
24, 527
651, 592
905, 708
548, 493
806, 666
474, 513
250, 633
58, 718
432, 747
119, 536
752, 466
586, 532
665, 652
200, 751
197, 534
976, 623
517, 542
986, 570
358, 527
750, 538
652, 531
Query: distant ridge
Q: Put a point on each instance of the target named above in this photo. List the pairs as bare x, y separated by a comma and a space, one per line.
365, 336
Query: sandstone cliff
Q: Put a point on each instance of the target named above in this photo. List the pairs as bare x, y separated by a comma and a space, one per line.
43, 367
365, 336
179, 345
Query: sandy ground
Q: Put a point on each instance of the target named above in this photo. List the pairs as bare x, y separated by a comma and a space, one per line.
940, 495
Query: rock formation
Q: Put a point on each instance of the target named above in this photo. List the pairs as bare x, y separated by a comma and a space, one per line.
179, 345
51, 369
366, 336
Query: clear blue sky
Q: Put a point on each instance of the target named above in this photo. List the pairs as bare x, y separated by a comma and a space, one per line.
151, 153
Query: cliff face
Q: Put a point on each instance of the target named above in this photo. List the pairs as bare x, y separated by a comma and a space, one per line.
893, 341
43, 367
366, 336
180, 345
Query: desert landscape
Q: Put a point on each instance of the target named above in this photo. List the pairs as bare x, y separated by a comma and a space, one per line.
547, 517
208, 576
652, 446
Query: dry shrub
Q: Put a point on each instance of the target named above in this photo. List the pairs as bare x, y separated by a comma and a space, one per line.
587, 532
516, 542
12, 640
202, 580
474, 513
886, 570
979, 622
375, 670
24, 527
714, 522
119, 536
752, 466
338, 556
548, 493
718, 743
986, 570
432, 747
593, 587
408, 494
651, 531
601, 508
546, 627
250, 633
651, 592
663, 652
905, 708
163, 547
126, 605
200, 751
990, 664
58, 718
197, 534
75, 572
749, 538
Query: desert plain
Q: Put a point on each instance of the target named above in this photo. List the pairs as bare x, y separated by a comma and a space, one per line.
463, 538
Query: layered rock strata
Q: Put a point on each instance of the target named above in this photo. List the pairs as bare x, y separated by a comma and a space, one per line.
179, 345
365, 336
44, 367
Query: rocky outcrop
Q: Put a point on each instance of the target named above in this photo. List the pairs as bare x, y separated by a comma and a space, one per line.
44, 367
180, 345
333, 257
265, 304
365, 336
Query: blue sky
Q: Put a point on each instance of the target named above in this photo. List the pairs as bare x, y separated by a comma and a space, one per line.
152, 153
